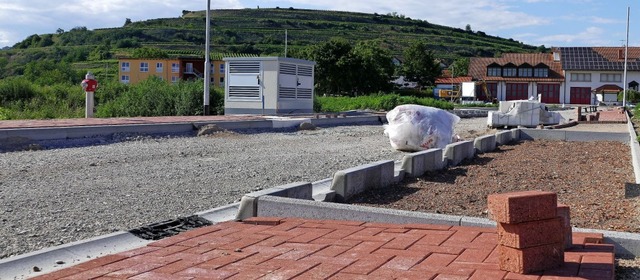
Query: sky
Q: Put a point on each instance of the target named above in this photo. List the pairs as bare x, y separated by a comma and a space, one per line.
552, 23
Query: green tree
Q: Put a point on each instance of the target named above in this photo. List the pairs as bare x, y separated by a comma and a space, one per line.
460, 67
375, 68
334, 64
49, 72
100, 53
420, 64
46, 40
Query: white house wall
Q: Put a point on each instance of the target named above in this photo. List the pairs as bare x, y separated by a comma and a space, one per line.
595, 81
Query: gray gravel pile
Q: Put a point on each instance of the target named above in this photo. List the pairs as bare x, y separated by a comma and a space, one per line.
73, 190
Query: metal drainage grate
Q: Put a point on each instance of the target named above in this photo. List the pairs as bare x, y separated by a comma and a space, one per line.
168, 228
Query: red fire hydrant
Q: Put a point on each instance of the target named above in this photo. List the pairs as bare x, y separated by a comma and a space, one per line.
89, 85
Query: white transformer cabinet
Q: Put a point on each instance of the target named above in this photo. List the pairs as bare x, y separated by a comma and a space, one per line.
268, 85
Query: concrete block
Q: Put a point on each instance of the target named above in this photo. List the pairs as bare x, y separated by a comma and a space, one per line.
504, 137
531, 234
466, 221
456, 152
564, 213
416, 164
249, 202
21, 266
588, 136
550, 134
525, 206
220, 214
531, 259
349, 182
272, 206
484, 144
515, 134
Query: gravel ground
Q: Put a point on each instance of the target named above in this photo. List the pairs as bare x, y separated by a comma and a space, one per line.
61, 193
64, 191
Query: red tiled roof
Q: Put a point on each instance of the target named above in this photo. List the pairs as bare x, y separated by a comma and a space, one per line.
454, 80
287, 248
478, 66
608, 88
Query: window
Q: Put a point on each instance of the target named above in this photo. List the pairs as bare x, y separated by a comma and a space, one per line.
525, 72
144, 66
611, 77
124, 66
222, 68
124, 79
175, 68
174, 79
159, 67
494, 71
581, 77
541, 72
189, 68
509, 72
221, 81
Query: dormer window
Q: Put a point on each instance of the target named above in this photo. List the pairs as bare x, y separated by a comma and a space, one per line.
541, 71
525, 70
509, 70
494, 70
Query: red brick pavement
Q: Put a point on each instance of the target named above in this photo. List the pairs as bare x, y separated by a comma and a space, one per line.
292, 248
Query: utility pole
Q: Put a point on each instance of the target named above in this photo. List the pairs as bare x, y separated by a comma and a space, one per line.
207, 62
626, 52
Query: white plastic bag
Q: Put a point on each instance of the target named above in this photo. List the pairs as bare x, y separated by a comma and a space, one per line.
415, 127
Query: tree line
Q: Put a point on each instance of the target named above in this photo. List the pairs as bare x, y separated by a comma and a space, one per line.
344, 69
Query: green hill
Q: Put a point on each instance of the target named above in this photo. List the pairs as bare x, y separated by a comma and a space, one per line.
252, 31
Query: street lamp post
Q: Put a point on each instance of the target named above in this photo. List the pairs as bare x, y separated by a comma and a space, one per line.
626, 51
207, 62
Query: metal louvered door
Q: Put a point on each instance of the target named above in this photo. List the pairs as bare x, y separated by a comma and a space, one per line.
244, 80
296, 81
287, 81
305, 82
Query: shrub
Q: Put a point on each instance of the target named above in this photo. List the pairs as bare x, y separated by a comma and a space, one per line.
154, 97
384, 102
15, 89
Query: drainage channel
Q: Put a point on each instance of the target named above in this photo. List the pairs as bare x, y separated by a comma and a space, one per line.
169, 228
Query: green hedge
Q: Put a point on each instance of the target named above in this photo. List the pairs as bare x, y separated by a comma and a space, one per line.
379, 102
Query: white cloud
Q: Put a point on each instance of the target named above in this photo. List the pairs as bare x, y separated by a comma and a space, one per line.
591, 36
484, 15
602, 20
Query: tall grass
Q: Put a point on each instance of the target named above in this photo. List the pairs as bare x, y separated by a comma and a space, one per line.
155, 97
152, 97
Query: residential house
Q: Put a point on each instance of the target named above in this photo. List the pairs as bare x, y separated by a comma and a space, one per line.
519, 76
596, 74
134, 70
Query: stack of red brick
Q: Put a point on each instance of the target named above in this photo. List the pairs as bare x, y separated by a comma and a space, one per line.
533, 230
